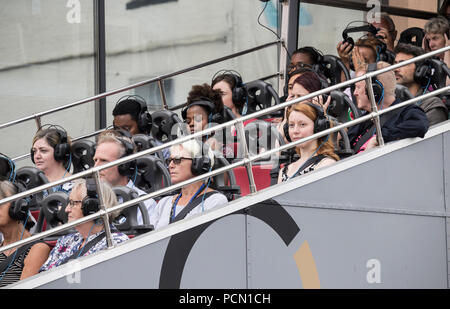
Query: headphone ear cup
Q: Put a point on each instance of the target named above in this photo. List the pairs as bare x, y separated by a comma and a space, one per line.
62, 152
322, 123
377, 91
420, 74
239, 95
202, 164
145, 122
90, 203
127, 169
350, 41
19, 210
90, 206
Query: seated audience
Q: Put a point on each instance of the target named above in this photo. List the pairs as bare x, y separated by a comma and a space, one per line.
434, 107
111, 146
306, 83
130, 114
307, 55
90, 236
186, 161
305, 119
51, 153
387, 33
204, 110
409, 121
232, 90
20, 262
437, 31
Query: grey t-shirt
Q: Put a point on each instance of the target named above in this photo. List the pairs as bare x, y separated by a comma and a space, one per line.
161, 215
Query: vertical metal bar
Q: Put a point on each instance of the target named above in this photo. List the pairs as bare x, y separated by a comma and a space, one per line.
289, 36
99, 63
37, 119
162, 93
248, 165
284, 32
105, 217
380, 139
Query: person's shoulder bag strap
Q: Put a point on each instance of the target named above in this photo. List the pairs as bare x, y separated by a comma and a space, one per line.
192, 205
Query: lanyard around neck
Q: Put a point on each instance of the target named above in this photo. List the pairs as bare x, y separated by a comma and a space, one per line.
174, 205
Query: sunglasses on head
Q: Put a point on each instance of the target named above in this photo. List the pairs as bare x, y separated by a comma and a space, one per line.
176, 160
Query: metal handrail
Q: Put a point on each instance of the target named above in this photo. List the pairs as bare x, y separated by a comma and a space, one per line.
142, 83
245, 161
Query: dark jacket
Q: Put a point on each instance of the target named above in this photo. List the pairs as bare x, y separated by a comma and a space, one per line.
410, 121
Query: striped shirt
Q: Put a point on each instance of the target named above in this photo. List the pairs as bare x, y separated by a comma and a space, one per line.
14, 271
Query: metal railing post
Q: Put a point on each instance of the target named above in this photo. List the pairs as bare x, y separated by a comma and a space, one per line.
376, 116
162, 93
105, 215
248, 164
37, 119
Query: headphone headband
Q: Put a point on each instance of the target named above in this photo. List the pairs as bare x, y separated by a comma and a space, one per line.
90, 203
19, 208
377, 86
205, 103
239, 93
62, 150
10, 174
144, 119
127, 168
320, 124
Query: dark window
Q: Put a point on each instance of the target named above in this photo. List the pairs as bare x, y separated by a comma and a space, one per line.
152, 95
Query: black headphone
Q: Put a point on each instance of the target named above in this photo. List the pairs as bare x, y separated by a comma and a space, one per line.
382, 54
239, 93
410, 33
317, 56
321, 123
207, 104
201, 164
62, 150
19, 208
347, 39
8, 169
128, 168
431, 72
377, 86
90, 204
144, 121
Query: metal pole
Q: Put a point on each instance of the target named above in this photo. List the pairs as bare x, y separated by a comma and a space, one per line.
282, 64
162, 93
100, 63
376, 117
37, 119
248, 164
105, 216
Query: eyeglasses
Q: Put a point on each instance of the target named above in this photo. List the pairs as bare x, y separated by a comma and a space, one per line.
176, 160
73, 203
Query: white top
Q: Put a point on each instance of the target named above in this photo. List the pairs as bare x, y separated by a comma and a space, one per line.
160, 217
150, 204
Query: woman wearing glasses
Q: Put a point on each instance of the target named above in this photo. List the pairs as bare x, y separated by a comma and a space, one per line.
90, 236
187, 160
